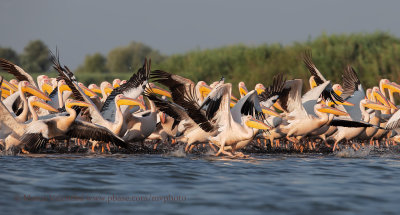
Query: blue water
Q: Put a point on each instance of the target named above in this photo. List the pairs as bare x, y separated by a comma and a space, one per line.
346, 183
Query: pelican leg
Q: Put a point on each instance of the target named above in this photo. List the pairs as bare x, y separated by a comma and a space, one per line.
335, 146
108, 147
258, 142
155, 146
24, 151
212, 146
292, 139
93, 145
191, 148
222, 151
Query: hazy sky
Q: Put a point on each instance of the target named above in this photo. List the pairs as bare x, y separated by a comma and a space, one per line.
81, 27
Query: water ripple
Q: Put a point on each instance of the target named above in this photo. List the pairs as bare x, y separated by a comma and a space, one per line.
278, 183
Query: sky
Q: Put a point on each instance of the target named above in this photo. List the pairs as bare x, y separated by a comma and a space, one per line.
82, 27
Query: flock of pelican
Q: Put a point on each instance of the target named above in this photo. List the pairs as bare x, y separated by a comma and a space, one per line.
49, 113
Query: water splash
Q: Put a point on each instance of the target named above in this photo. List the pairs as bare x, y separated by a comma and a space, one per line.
351, 153
179, 152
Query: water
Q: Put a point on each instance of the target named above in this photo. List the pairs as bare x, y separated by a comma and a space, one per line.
347, 183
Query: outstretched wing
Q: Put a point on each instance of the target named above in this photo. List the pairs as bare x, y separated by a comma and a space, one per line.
176, 84
17, 71
171, 109
353, 92
328, 93
132, 89
271, 94
248, 105
87, 130
307, 59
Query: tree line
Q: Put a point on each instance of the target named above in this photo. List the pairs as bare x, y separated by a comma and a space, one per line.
373, 55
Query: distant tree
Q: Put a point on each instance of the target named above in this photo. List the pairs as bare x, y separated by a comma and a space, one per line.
128, 58
36, 57
9, 54
95, 63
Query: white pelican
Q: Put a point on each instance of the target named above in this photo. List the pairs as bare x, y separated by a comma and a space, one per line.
354, 93
11, 102
131, 89
233, 127
39, 132
304, 113
319, 79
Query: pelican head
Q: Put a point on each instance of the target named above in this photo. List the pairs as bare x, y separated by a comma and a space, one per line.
312, 81
242, 89
35, 101
86, 90
373, 105
159, 90
94, 88
25, 86
70, 103
123, 100
62, 86
269, 111
386, 84
254, 123
9, 86
106, 87
46, 86
337, 88
203, 88
116, 83
380, 97
323, 108
259, 88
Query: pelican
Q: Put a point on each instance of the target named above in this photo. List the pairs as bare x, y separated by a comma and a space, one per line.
354, 93
116, 83
131, 89
11, 102
234, 129
304, 113
319, 79
94, 88
106, 88
39, 132
11, 128
247, 107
